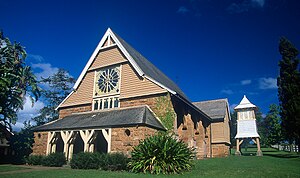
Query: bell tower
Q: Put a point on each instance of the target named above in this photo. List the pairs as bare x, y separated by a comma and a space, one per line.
246, 125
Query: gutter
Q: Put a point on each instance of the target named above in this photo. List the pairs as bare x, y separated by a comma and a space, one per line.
194, 107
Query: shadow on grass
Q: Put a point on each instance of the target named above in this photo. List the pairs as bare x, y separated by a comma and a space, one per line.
271, 153
268, 152
282, 155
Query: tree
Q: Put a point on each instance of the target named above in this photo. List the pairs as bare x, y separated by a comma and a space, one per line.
16, 81
273, 127
261, 126
289, 91
21, 143
57, 89
233, 127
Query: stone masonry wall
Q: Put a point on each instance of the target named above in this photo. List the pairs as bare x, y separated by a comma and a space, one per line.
160, 104
40, 143
220, 150
124, 139
150, 100
63, 112
195, 138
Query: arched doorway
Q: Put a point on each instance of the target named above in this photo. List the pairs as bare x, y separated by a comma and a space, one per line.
78, 144
59, 144
100, 142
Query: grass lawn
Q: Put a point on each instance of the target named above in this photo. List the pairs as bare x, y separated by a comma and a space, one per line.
272, 164
6, 168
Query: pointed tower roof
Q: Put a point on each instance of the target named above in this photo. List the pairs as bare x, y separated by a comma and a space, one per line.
245, 103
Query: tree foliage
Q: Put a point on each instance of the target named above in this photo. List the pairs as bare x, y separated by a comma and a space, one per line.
57, 88
233, 127
272, 125
289, 90
21, 143
16, 80
261, 126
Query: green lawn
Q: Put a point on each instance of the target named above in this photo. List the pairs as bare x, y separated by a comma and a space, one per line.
272, 164
6, 168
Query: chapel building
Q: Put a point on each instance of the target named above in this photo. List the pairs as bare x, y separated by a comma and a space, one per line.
119, 99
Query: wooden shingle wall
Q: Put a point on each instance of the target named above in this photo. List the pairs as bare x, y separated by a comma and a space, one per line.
132, 85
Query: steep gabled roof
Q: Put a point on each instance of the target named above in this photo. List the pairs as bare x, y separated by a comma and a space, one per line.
141, 65
150, 71
215, 109
121, 117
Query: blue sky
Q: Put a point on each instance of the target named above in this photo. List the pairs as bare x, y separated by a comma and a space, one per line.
211, 48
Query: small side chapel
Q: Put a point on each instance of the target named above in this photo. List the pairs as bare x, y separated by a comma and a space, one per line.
119, 99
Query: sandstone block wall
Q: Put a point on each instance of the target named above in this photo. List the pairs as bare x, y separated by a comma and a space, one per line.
124, 139
63, 112
220, 150
40, 143
198, 138
150, 100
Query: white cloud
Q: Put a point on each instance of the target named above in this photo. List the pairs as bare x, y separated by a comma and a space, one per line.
28, 112
245, 6
18, 126
267, 83
259, 3
35, 57
246, 82
28, 108
227, 91
182, 10
45, 70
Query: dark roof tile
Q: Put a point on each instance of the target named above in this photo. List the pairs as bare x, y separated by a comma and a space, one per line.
105, 119
215, 109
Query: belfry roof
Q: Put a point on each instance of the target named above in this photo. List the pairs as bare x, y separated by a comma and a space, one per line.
245, 103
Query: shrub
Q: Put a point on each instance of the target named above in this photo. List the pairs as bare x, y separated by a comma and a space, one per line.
35, 159
115, 162
86, 160
161, 154
54, 160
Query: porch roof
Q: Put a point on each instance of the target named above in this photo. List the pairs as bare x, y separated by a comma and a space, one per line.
114, 118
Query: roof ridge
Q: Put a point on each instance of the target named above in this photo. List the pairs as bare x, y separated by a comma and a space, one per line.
107, 110
152, 68
221, 99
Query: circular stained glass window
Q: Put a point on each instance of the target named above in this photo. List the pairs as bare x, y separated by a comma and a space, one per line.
108, 80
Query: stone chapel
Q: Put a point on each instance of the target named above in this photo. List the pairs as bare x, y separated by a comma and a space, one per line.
121, 98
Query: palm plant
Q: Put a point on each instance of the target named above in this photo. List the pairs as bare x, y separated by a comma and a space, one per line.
161, 154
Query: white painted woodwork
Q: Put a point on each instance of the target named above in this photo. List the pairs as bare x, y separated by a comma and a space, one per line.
51, 136
107, 135
66, 137
86, 136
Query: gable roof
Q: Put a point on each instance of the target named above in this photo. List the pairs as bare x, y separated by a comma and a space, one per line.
215, 109
121, 117
142, 66
150, 71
